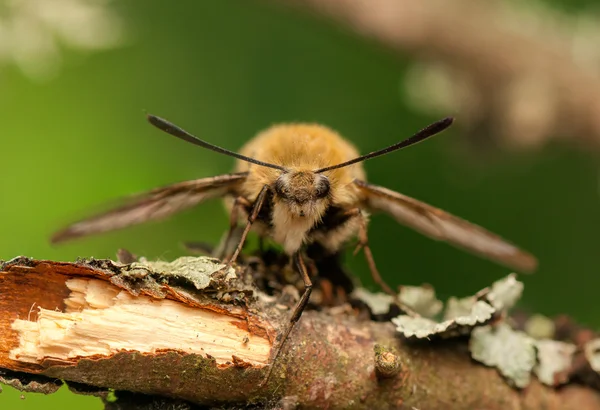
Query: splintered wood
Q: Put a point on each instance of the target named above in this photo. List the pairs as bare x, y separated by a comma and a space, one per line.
101, 320
75, 311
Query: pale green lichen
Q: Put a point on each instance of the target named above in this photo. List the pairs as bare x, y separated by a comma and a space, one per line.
193, 276
505, 292
554, 360
420, 327
421, 299
456, 307
540, 327
379, 303
461, 315
592, 354
512, 352
198, 271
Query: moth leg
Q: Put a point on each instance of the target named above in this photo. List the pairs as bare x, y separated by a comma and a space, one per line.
298, 309
260, 199
363, 243
238, 203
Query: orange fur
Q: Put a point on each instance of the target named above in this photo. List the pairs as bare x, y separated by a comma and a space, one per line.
301, 148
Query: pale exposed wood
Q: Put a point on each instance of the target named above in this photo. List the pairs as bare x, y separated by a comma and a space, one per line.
102, 320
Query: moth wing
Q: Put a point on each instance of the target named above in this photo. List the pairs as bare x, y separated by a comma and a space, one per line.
156, 204
442, 226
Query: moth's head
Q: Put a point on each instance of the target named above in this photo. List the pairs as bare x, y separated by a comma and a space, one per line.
306, 194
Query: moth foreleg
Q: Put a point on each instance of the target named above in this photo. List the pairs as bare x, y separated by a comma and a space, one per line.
238, 203
298, 309
260, 199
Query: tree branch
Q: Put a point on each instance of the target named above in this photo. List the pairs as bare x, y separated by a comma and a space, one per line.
519, 74
186, 331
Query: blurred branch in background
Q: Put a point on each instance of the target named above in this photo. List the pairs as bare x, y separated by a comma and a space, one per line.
31, 32
519, 74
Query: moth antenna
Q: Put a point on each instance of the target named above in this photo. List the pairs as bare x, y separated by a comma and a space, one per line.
180, 133
422, 135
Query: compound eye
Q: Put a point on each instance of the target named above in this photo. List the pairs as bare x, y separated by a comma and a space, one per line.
280, 189
322, 188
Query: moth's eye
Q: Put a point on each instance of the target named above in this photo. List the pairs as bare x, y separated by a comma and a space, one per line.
322, 189
280, 189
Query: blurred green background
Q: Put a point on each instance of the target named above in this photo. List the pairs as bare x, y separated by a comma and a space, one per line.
225, 70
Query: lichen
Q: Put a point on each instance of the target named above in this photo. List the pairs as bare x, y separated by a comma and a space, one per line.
456, 307
421, 299
193, 275
540, 327
379, 302
505, 292
460, 315
554, 358
512, 352
592, 354
423, 328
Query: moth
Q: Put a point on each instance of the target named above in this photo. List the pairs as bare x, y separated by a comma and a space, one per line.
301, 185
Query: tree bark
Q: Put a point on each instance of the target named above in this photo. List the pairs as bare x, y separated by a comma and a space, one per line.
140, 329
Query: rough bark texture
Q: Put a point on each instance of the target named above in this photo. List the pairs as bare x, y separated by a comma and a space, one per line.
330, 361
525, 81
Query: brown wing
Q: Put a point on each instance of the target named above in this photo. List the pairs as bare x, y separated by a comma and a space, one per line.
442, 226
156, 204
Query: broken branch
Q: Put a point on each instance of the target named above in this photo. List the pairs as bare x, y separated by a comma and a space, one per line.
185, 330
